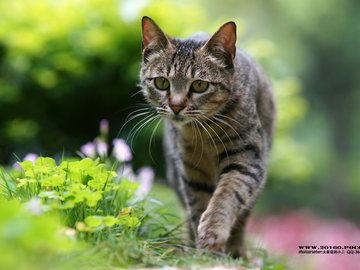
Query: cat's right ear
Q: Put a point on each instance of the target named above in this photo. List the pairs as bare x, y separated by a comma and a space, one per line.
222, 44
153, 38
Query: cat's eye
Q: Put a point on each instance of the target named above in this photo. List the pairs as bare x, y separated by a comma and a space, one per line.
199, 86
162, 83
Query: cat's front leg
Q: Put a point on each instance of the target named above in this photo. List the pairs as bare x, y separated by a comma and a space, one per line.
215, 224
234, 195
213, 231
198, 194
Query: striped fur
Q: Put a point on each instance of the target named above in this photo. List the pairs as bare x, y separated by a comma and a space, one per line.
217, 141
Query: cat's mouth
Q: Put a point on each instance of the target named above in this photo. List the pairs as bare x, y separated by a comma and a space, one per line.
179, 119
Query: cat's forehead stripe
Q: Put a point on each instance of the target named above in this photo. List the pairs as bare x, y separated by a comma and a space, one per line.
183, 59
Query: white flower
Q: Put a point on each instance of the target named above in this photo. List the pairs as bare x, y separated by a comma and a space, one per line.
70, 232
31, 156
146, 177
89, 149
126, 171
101, 147
35, 207
104, 127
121, 151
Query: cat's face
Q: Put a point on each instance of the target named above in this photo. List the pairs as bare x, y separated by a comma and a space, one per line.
187, 79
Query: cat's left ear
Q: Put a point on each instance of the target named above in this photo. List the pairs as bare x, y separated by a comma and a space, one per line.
222, 43
152, 35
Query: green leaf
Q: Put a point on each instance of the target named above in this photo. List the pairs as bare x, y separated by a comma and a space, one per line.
129, 221
87, 162
98, 181
109, 221
53, 181
26, 165
25, 181
92, 198
127, 211
94, 221
46, 161
70, 203
128, 185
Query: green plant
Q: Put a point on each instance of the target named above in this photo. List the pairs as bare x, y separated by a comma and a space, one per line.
70, 211
89, 196
30, 242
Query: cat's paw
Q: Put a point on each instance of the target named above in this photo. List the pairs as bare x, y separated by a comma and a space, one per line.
212, 234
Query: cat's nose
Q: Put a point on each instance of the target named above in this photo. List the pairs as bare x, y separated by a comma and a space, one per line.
176, 108
177, 103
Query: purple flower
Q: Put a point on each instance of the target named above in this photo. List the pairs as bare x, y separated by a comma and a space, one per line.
146, 177
16, 166
121, 150
101, 147
104, 127
89, 149
127, 172
30, 156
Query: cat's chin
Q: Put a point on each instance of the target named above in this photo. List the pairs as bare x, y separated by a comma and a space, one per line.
178, 120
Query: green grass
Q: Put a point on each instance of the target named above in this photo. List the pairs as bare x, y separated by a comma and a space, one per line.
80, 215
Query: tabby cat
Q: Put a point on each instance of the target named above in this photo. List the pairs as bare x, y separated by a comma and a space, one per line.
219, 119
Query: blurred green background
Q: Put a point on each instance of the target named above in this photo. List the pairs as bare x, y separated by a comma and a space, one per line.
65, 65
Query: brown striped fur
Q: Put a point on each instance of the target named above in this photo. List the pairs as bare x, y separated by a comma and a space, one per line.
216, 142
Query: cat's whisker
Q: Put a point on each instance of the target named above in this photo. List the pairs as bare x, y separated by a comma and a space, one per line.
142, 108
208, 134
197, 135
137, 127
136, 93
216, 117
197, 129
157, 117
228, 125
193, 135
139, 114
139, 105
227, 117
162, 111
217, 135
220, 140
220, 127
213, 120
142, 126
203, 114
136, 105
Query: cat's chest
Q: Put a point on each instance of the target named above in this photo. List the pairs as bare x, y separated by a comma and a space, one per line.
205, 141
199, 154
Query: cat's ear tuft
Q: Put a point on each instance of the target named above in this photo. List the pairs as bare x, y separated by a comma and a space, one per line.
152, 36
222, 43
